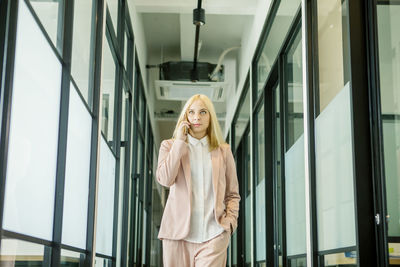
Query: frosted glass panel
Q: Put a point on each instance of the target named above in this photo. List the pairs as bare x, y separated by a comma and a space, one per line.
295, 198
391, 138
248, 228
260, 221
32, 154
105, 198
334, 172
77, 172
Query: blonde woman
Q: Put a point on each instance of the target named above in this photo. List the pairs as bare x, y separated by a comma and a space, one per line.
203, 203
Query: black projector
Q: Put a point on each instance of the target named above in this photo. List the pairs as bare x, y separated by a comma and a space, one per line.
182, 71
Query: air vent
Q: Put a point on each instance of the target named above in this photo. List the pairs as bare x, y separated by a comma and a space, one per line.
177, 90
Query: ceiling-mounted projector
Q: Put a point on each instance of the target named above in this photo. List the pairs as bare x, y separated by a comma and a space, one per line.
175, 81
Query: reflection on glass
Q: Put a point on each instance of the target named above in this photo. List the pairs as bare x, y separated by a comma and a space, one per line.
280, 26
126, 44
389, 58
334, 156
260, 190
105, 210
332, 49
341, 259
108, 92
21, 253
50, 14
34, 125
72, 259
294, 154
82, 50
77, 170
243, 118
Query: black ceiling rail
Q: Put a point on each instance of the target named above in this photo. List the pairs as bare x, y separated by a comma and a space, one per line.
198, 20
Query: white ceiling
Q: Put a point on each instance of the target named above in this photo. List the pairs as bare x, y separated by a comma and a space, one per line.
169, 30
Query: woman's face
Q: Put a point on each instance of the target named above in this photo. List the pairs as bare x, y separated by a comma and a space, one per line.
199, 117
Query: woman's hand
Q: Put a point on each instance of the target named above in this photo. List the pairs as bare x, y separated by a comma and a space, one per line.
183, 130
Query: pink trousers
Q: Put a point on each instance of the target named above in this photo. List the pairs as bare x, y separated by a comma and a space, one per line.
180, 253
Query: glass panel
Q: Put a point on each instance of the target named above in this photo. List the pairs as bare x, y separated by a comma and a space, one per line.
113, 8
82, 49
50, 14
389, 58
105, 207
341, 259
21, 253
101, 262
394, 254
72, 259
108, 92
277, 164
77, 172
280, 27
243, 118
234, 249
248, 225
260, 189
32, 154
294, 154
298, 262
334, 156
120, 205
127, 42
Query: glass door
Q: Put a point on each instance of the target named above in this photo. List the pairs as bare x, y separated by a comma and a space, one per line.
388, 20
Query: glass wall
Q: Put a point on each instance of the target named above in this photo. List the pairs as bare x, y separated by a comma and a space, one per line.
33, 136
77, 172
64, 179
334, 147
260, 208
388, 20
294, 171
282, 18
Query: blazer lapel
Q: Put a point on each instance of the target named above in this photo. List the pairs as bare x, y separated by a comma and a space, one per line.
215, 171
186, 170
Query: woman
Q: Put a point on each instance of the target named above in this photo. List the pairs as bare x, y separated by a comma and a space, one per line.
203, 203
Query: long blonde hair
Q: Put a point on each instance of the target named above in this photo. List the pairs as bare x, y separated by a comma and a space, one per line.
213, 131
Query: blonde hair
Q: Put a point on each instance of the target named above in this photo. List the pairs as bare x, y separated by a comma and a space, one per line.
213, 131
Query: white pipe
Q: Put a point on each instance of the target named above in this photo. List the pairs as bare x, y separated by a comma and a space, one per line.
221, 57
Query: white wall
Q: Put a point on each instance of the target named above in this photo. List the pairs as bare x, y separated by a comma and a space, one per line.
249, 44
141, 48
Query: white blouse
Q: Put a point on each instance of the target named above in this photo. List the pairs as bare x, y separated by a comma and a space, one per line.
203, 225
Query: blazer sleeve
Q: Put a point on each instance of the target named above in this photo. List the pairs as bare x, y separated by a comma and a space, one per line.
171, 151
232, 196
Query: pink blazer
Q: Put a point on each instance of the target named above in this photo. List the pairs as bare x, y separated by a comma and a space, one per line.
173, 171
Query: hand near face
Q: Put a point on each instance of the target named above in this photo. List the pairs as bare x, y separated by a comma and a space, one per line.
183, 130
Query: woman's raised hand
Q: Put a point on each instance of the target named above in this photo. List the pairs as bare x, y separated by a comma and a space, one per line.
183, 130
